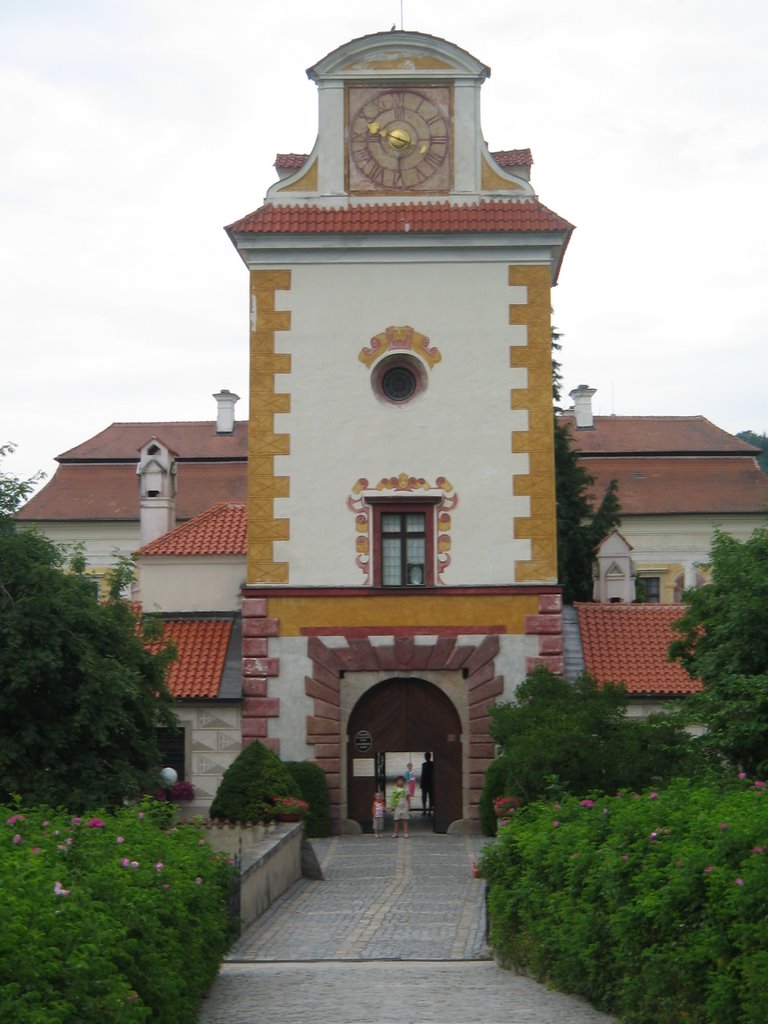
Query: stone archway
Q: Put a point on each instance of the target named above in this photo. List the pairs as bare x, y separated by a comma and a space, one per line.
402, 714
401, 655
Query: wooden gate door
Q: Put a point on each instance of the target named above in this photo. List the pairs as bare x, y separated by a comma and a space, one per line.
397, 715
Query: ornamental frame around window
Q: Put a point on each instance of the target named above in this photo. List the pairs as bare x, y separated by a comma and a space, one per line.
425, 506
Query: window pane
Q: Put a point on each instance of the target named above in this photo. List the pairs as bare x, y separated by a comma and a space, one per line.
391, 562
391, 522
414, 522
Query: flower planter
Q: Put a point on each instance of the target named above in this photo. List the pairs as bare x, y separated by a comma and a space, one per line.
288, 817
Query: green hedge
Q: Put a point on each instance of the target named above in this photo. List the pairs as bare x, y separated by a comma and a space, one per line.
247, 787
109, 917
311, 779
653, 906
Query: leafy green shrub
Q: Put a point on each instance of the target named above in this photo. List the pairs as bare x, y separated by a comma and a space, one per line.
311, 778
654, 906
563, 737
248, 785
108, 917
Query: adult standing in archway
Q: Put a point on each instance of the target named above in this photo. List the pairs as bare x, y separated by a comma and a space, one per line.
427, 785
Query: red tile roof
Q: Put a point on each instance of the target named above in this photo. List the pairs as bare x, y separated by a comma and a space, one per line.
201, 645
220, 530
190, 440
646, 435
110, 491
290, 161
513, 157
682, 485
628, 643
396, 218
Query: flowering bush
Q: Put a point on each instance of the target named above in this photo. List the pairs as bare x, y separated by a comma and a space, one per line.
503, 806
108, 917
654, 906
182, 791
290, 805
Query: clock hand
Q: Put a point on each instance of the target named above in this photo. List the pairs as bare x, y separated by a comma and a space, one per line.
398, 138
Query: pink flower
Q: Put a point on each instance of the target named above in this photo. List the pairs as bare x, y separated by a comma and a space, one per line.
555, 824
75, 821
198, 880
723, 824
36, 849
140, 815
59, 890
625, 856
739, 881
95, 823
586, 803
14, 818
708, 869
757, 849
134, 863
653, 796
758, 784
16, 839
120, 839
742, 775
159, 866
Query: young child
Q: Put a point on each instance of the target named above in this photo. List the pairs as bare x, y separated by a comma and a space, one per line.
401, 805
410, 779
377, 813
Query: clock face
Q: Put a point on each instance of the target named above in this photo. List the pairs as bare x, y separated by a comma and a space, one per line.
399, 139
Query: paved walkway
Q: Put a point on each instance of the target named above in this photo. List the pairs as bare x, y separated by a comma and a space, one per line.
395, 933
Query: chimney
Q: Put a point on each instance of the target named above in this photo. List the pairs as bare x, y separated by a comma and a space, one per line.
582, 407
157, 489
225, 413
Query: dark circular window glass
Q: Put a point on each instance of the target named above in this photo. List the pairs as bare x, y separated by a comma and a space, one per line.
399, 383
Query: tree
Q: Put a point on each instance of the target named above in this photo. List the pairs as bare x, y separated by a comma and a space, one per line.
579, 527
723, 641
561, 737
12, 490
759, 441
80, 694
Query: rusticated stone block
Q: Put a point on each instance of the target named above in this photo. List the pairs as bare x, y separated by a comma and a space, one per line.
486, 693
314, 688
254, 728
255, 647
321, 727
480, 726
554, 664
458, 657
550, 645
261, 666
261, 707
550, 604
325, 710
254, 687
538, 624
441, 652
323, 749
486, 651
260, 627
254, 607
483, 675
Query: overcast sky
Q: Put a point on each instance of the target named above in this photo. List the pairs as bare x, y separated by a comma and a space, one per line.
133, 130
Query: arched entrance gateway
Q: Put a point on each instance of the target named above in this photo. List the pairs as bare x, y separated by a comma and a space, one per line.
404, 715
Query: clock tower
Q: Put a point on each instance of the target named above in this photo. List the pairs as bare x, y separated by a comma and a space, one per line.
401, 571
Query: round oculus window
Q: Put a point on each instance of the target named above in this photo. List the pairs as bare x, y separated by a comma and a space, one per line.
399, 383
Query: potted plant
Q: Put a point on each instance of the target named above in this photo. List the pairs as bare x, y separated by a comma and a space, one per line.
289, 808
